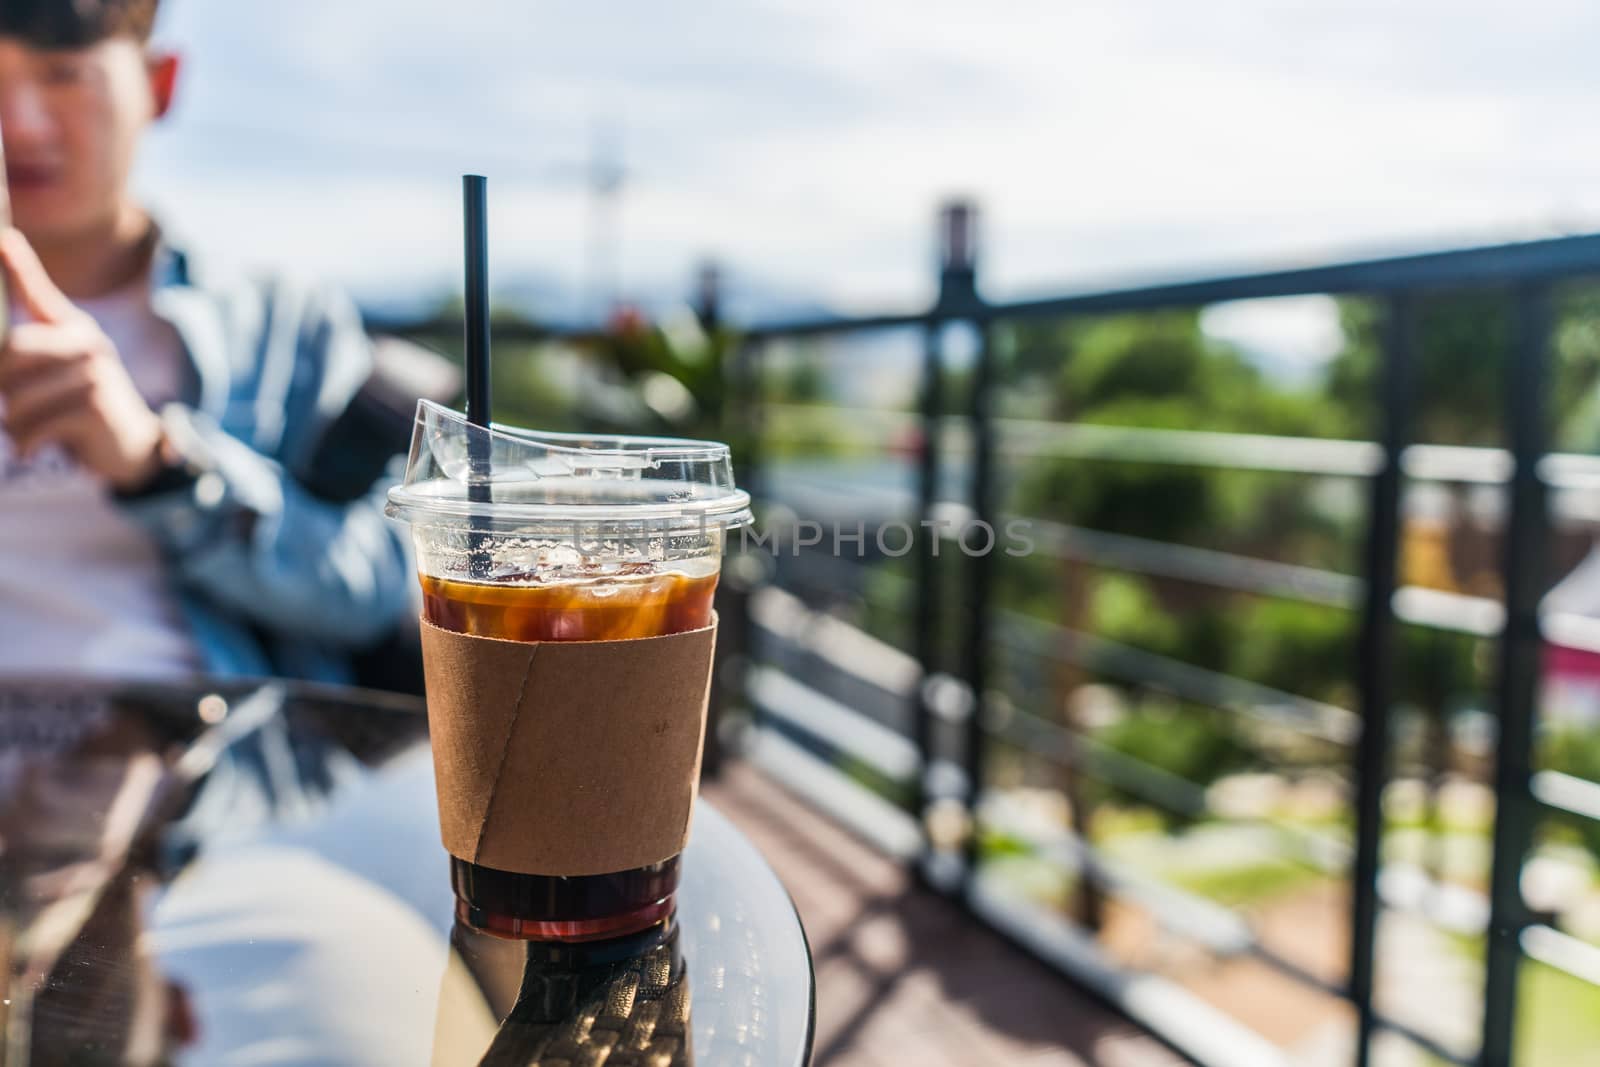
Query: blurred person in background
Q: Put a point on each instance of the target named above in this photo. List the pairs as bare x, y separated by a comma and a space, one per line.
179, 491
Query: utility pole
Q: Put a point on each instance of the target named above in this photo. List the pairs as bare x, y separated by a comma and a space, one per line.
604, 245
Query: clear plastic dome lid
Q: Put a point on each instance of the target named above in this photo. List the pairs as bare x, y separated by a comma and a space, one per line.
508, 477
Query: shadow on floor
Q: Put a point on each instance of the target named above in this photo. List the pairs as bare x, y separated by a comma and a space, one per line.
904, 976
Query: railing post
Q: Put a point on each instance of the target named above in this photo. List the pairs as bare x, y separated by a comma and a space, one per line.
1375, 667
708, 296
957, 265
980, 565
741, 574
958, 259
1516, 691
730, 659
925, 626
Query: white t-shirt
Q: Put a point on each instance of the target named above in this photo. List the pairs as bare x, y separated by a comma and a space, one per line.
82, 589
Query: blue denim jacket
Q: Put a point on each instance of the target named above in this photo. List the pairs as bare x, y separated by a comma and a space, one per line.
273, 579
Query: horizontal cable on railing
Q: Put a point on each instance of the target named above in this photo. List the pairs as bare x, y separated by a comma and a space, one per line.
1165, 559
1195, 448
1167, 791
783, 615
846, 647
1437, 609
1331, 457
1566, 470
1317, 851
1402, 887
1405, 887
1456, 463
1207, 1035
1440, 609
1218, 927
1187, 914
1570, 630
1287, 710
1206, 566
854, 805
837, 726
1567, 793
1083, 440
1567, 954
820, 572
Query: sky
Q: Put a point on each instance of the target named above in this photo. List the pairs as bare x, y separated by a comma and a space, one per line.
807, 144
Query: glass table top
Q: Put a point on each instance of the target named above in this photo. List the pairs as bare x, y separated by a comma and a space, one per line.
253, 875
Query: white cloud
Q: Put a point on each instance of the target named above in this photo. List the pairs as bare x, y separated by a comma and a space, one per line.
1291, 336
811, 141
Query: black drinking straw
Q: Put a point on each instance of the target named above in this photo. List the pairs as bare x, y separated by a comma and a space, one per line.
475, 227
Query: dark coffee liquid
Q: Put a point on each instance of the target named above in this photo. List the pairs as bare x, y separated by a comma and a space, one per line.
623, 606
614, 609
546, 908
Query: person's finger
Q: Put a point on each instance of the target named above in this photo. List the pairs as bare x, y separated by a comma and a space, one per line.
30, 282
43, 397
32, 346
60, 428
29, 372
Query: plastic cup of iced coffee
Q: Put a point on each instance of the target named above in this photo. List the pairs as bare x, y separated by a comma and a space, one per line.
568, 634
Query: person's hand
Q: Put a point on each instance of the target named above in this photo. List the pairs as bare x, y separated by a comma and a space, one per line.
63, 382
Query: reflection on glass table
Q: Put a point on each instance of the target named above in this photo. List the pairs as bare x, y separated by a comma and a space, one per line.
202, 876
625, 1001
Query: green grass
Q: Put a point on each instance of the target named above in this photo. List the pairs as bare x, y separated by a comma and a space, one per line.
896, 792
1110, 822
1239, 887
1558, 1019
993, 844
1558, 1016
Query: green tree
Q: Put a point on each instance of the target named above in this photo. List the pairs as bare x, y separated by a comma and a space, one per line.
1463, 340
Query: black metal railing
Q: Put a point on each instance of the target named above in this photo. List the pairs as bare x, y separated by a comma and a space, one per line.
1529, 270
915, 716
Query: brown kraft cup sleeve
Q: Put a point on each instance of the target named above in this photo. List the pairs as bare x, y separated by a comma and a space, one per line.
566, 757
